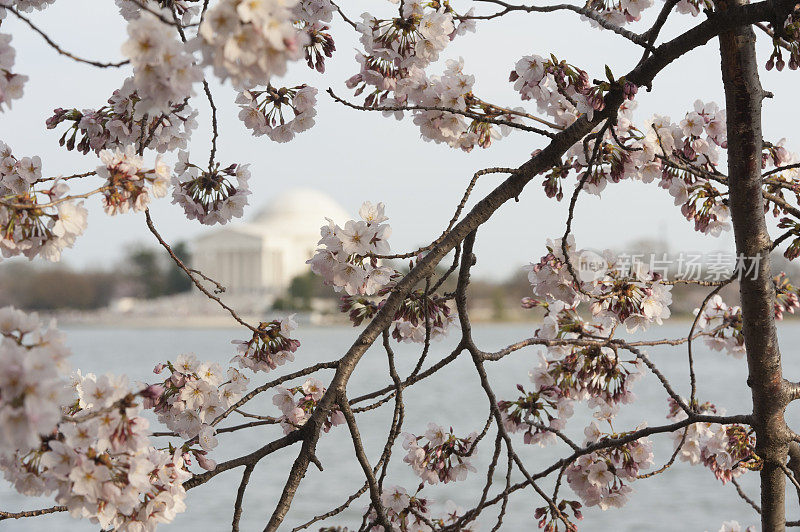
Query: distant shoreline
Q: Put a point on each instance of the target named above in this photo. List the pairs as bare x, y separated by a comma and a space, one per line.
227, 322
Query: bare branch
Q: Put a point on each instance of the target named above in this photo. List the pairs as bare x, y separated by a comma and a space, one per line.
586, 12
237, 507
58, 48
188, 272
31, 513
374, 491
451, 110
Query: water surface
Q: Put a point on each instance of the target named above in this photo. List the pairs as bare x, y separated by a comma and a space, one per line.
682, 498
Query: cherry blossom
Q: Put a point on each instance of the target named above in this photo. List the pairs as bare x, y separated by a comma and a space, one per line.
603, 477
723, 326
33, 381
727, 450
104, 469
120, 124
439, 455
263, 111
193, 395
35, 222
620, 13
89, 448
617, 293
413, 512
30, 5
209, 196
396, 53
343, 260
163, 71
734, 526
250, 42
297, 411
269, 347
420, 313
128, 185
11, 84
131, 10
554, 85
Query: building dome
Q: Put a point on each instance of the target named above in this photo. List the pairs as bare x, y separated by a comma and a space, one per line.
300, 211
264, 254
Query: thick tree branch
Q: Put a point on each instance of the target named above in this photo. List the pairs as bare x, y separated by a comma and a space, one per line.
743, 97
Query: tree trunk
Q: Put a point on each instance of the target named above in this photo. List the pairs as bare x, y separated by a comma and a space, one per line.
743, 97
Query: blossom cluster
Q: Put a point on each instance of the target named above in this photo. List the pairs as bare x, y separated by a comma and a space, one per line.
163, 70
602, 478
727, 450
593, 374
116, 125
670, 147
312, 11
683, 156
128, 184
313, 16
344, 263
319, 45
396, 53
636, 298
723, 327
694, 7
29, 5
89, 445
250, 42
576, 367
734, 526
632, 296
11, 84
538, 413
17, 176
417, 314
269, 347
35, 222
266, 112
393, 47
33, 381
209, 196
787, 296
131, 10
722, 324
618, 13
451, 90
560, 90
192, 397
550, 520
297, 411
413, 511
100, 463
418, 317
438, 455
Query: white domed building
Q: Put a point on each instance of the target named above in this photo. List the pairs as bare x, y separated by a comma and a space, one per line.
263, 255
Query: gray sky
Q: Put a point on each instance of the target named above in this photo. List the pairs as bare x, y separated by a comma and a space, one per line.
356, 156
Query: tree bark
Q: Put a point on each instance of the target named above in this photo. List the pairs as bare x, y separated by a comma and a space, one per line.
743, 97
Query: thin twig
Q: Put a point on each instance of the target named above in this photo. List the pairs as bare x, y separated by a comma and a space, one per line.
237, 507
58, 48
197, 283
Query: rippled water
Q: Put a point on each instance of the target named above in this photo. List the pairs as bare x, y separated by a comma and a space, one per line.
682, 498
